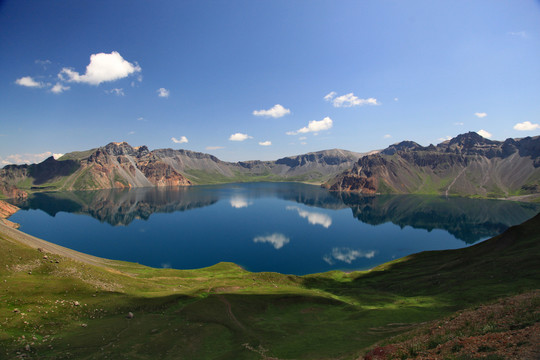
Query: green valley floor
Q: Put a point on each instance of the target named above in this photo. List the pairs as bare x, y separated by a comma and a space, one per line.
56, 303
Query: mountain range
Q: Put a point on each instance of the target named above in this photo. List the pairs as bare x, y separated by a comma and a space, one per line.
468, 164
465, 165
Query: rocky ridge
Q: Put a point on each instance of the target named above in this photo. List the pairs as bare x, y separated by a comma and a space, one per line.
466, 165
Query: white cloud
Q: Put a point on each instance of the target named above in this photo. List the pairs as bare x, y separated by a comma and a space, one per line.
59, 88
526, 126
459, 123
239, 137
484, 133
162, 92
182, 140
239, 202
349, 100
276, 239
347, 255
301, 138
140, 118
102, 68
387, 136
445, 138
396, 99
314, 218
276, 111
265, 143
28, 81
522, 34
480, 114
214, 147
131, 132
116, 91
28, 158
314, 126
330, 96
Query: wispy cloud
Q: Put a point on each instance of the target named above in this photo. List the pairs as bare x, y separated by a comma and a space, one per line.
164, 93
276, 111
265, 143
314, 126
314, 218
277, 240
349, 100
526, 126
480, 114
484, 133
182, 140
459, 123
387, 136
522, 34
347, 255
28, 81
58, 88
215, 147
102, 68
116, 91
239, 137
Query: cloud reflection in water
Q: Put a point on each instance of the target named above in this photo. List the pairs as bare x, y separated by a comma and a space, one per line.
347, 255
239, 202
313, 218
276, 239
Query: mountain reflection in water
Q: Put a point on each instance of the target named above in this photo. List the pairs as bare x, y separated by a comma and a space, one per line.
467, 219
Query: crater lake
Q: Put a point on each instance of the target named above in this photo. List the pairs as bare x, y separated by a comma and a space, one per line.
289, 228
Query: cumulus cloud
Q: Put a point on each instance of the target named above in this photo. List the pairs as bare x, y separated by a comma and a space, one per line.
526, 126
162, 92
102, 68
314, 218
59, 88
349, 100
28, 81
239, 202
182, 140
347, 255
277, 240
387, 136
484, 133
265, 143
28, 158
239, 137
480, 114
214, 147
276, 111
314, 126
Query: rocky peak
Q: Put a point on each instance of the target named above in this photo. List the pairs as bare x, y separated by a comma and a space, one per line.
119, 148
401, 146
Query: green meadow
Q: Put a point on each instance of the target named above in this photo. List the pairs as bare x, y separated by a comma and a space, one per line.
56, 303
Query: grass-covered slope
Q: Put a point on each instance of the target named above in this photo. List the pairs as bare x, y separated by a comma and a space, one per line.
56, 303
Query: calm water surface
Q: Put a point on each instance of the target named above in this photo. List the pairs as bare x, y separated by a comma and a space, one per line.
283, 227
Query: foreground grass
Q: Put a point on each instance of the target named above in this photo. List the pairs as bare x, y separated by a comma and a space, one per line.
55, 307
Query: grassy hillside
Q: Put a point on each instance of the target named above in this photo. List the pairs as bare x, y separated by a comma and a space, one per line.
56, 303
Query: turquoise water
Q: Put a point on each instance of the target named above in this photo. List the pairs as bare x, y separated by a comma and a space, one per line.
282, 227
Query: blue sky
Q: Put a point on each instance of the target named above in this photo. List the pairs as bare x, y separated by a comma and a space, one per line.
247, 80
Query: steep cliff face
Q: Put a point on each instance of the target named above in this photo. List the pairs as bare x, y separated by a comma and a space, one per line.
465, 165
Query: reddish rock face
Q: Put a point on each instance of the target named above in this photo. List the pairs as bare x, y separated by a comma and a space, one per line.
161, 174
